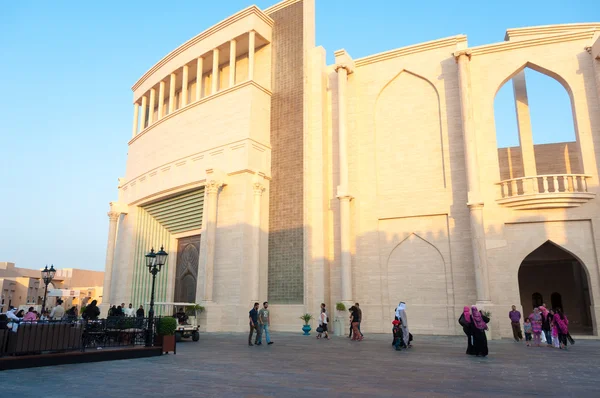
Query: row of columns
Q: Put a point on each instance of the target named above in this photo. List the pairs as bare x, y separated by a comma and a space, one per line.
148, 106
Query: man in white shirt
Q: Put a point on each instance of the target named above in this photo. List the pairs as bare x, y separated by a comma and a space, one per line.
13, 319
130, 311
57, 312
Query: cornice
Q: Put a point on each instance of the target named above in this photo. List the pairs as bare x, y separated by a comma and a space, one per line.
550, 29
426, 46
279, 6
197, 103
210, 31
513, 45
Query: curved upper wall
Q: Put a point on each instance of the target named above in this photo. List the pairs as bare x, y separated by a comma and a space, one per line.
249, 19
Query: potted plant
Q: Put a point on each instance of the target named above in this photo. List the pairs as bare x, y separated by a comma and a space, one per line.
306, 328
165, 334
341, 313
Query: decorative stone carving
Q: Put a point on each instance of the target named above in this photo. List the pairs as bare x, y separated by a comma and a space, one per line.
458, 54
212, 186
259, 188
113, 215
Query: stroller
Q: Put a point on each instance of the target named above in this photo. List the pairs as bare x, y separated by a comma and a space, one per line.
398, 341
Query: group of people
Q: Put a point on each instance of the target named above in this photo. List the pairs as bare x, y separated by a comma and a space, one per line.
13, 317
474, 324
542, 326
259, 323
130, 312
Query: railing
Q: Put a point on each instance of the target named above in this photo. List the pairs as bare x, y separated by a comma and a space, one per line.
544, 184
47, 337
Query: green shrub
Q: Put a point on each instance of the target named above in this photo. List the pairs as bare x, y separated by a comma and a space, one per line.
166, 326
340, 307
191, 309
306, 318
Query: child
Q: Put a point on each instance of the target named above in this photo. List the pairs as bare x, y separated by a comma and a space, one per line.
555, 341
398, 334
527, 328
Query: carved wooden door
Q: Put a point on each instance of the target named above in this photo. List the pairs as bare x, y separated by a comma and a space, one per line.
186, 275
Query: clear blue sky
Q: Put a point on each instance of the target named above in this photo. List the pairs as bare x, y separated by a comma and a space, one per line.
67, 67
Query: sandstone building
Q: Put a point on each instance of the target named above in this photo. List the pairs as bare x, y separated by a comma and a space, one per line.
269, 175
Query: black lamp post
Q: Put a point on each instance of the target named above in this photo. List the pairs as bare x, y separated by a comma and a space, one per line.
47, 276
154, 262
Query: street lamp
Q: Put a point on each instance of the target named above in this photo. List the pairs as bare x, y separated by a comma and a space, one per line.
154, 262
47, 276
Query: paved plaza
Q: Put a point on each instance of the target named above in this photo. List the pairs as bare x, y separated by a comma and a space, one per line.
223, 365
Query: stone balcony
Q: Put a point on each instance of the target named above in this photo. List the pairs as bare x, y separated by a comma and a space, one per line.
545, 191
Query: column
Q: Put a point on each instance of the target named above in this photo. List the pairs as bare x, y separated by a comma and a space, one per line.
342, 189
232, 56
199, 71
258, 191
172, 93
524, 123
144, 110
215, 71
113, 217
474, 202
161, 99
151, 110
136, 110
210, 204
251, 45
184, 86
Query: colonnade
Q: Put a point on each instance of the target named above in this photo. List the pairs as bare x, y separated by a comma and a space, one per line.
144, 117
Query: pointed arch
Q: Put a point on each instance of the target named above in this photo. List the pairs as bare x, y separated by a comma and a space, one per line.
419, 237
408, 124
540, 69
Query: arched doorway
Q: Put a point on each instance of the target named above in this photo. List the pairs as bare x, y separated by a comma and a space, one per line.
550, 272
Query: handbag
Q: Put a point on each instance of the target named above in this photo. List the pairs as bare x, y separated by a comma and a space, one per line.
319, 329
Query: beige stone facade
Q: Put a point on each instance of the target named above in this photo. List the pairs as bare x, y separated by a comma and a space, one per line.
269, 175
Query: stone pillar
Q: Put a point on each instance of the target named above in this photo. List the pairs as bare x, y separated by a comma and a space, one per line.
258, 191
210, 217
524, 123
172, 83
144, 110
199, 71
342, 189
161, 99
152, 102
215, 71
474, 200
232, 56
113, 218
251, 45
136, 110
184, 86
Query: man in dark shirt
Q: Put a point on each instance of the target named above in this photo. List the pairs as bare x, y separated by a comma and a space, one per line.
253, 319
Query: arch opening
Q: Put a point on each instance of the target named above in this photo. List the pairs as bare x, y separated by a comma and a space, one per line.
536, 129
550, 272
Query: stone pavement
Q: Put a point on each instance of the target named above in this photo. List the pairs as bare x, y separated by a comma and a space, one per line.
223, 365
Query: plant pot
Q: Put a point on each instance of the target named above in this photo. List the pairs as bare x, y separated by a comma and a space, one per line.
337, 327
167, 343
306, 329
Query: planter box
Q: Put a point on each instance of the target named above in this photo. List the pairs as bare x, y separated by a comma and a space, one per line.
167, 343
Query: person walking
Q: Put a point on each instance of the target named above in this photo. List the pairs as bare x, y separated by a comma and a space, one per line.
354, 318
562, 324
465, 321
478, 328
254, 326
536, 326
401, 315
359, 318
263, 320
323, 321
515, 321
547, 325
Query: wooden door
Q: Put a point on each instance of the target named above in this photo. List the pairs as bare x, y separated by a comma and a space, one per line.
186, 275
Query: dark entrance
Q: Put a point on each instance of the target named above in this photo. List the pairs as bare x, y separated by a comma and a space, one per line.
186, 275
553, 276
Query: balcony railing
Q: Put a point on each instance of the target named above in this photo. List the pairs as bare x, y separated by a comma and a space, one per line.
545, 191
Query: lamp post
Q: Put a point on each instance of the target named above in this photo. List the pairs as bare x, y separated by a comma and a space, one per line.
154, 262
47, 276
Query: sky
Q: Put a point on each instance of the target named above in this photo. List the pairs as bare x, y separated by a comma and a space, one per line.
67, 68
